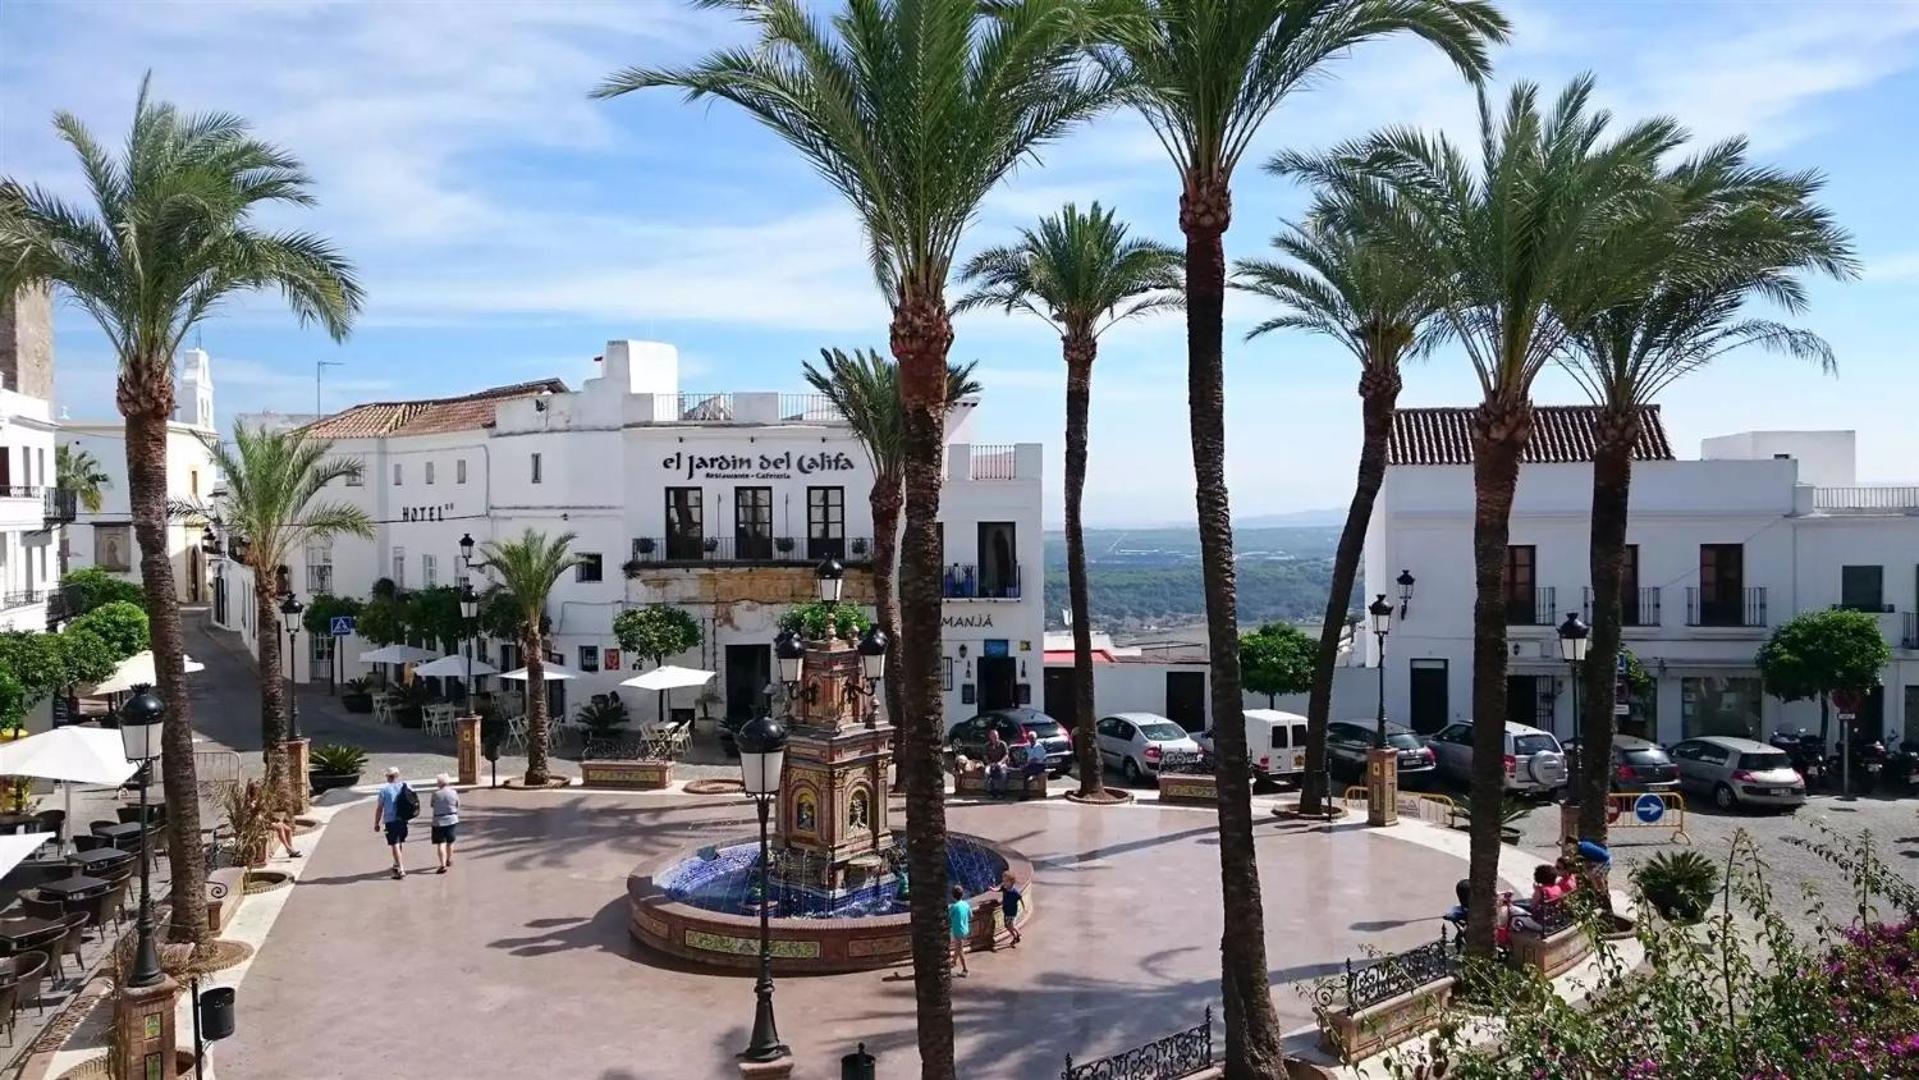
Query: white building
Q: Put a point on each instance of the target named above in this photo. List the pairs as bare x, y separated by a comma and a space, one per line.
105, 539
31, 510
1722, 550
721, 503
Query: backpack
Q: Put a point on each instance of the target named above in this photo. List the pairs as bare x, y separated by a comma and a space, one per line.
408, 806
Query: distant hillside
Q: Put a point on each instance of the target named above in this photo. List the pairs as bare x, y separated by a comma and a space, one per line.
1151, 577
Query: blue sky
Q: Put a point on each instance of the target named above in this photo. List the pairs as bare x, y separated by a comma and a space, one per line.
506, 226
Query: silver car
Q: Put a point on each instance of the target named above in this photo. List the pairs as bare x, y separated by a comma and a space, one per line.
1136, 742
1533, 759
1738, 772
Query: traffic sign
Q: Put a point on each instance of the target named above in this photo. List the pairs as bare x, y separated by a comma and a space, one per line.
1619, 661
1649, 808
342, 625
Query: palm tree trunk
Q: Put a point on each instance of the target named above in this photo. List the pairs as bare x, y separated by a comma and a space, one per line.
1501, 428
1378, 395
273, 687
1080, 350
1252, 1027
146, 400
534, 648
1617, 431
921, 335
885, 499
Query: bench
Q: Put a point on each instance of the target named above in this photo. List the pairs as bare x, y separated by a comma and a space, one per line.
1558, 944
971, 780
639, 775
1382, 1002
226, 887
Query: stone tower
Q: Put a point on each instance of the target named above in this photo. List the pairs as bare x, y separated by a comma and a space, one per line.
193, 394
26, 343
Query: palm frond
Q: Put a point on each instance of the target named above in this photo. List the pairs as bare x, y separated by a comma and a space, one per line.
1079, 271
274, 486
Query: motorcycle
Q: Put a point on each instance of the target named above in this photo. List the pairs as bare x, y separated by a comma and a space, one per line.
1901, 775
1806, 749
1867, 765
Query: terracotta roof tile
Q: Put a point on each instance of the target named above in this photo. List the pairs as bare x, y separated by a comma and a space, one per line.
1561, 433
427, 416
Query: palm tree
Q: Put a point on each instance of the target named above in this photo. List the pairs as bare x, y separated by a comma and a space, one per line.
527, 569
274, 480
1081, 274
1756, 227
913, 111
170, 236
865, 389
1554, 226
77, 471
1383, 310
1205, 74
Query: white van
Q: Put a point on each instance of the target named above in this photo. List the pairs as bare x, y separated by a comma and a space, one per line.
1275, 743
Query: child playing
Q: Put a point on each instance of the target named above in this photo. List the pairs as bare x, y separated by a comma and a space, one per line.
1010, 898
959, 916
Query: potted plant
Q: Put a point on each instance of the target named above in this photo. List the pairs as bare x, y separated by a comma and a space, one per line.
407, 703
357, 695
633, 567
334, 765
859, 546
604, 713
1511, 810
711, 544
820, 620
1679, 885
248, 808
709, 697
784, 545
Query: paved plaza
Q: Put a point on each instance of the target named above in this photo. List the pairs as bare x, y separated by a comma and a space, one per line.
519, 962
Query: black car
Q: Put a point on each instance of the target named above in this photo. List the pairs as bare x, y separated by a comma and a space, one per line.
1637, 765
969, 736
1348, 740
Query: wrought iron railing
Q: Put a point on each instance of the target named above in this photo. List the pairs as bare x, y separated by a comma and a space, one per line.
1165, 1058
20, 491
61, 506
1386, 977
706, 407
691, 550
1530, 607
1640, 609
1553, 916
1909, 633
22, 598
1726, 607
1866, 499
809, 409
966, 581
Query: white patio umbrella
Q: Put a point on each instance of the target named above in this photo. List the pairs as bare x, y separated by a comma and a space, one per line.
15, 847
668, 677
398, 654
549, 670
135, 670
454, 667
71, 755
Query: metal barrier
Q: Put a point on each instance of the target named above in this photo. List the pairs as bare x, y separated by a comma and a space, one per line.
212, 768
1647, 810
1427, 806
1176, 1055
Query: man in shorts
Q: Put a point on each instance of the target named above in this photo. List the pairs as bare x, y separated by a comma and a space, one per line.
387, 817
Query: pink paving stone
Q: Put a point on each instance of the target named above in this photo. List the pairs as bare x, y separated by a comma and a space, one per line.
518, 963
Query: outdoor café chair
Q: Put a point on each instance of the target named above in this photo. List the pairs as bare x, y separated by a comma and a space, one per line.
53, 821
29, 970
37, 906
72, 943
9, 1003
89, 842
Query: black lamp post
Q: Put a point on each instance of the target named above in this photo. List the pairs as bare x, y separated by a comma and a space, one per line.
290, 609
831, 577
466, 549
141, 719
1382, 615
1405, 583
762, 743
872, 648
1572, 649
469, 611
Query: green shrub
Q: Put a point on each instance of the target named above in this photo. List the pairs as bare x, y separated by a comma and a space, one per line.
121, 624
85, 656
337, 759
656, 631
820, 620
91, 587
1679, 885
604, 713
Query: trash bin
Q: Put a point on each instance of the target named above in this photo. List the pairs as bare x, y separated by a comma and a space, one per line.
216, 1013
857, 1065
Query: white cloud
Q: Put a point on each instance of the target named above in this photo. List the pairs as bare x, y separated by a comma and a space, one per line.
1900, 267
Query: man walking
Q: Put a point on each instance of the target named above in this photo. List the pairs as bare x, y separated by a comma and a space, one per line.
396, 806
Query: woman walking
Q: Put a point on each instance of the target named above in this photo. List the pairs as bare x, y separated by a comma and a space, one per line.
446, 818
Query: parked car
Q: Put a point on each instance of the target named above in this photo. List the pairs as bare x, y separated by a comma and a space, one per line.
1275, 743
1347, 742
969, 736
1534, 761
1133, 743
1637, 765
1738, 772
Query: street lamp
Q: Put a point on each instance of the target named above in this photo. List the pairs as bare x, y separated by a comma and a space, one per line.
140, 723
872, 650
1572, 649
1405, 591
469, 611
1382, 613
290, 609
831, 578
762, 743
791, 655
466, 548
210, 543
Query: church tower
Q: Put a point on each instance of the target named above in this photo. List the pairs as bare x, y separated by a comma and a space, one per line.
193, 390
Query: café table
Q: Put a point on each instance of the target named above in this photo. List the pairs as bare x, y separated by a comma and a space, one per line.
27, 931
13, 823
74, 887
126, 830
99, 857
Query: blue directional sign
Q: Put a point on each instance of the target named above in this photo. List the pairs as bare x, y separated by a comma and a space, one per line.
342, 625
1619, 662
1649, 808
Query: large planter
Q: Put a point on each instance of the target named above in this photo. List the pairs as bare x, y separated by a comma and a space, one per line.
319, 783
1189, 789
642, 775
357, 703
407, 716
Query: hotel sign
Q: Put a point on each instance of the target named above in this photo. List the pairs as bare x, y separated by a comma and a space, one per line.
967, 622
782, 466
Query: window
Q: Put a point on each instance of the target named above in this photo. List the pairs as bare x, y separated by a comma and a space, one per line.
588, 568
319, 561
1630, 613
113, 547
320, 651
1862, 588
357, 476
685, 524
753, 523
459, 471
1719, 705
946, 673
1522, 599
429, 571
429, 472
589, 658
998, 560
1722, 580
399, 568
536, 468
193, 482
825, 523
396, 474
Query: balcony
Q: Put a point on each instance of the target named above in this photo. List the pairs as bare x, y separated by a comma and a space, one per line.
319, 578
1726, 607
1870, 499
965, 581
1531, 607
747, 407
1642, 610
24, 598
746, 551
20, 491
60, 506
